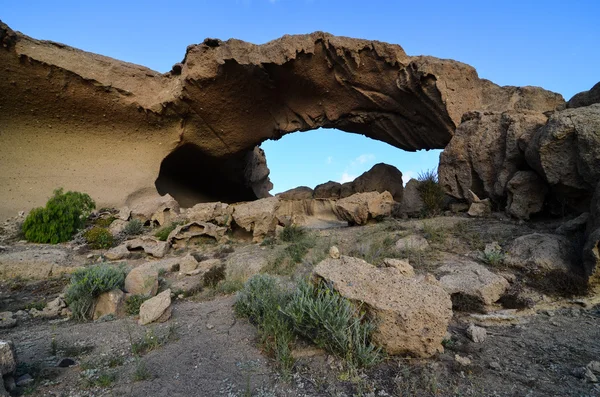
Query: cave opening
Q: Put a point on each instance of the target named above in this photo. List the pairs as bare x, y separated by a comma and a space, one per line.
300, 159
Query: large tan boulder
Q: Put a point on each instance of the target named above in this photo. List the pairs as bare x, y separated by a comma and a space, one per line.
526, 194
359, 208
156, 309
218, 213
190, 233
470, 280
411, 314
110, 303
148, 205
147, 244
142, 280
541, 252
257, 216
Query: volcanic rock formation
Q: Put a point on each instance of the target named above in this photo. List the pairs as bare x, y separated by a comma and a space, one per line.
91, 123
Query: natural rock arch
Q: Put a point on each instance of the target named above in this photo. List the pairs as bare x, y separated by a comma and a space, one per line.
106, 125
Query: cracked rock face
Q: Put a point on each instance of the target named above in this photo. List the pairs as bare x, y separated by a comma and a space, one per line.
111, 128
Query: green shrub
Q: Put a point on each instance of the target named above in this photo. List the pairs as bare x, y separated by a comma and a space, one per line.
292, 233
333, 323
104, 222
88, 283
493, 258
57, 222
134, 227
133, 303
164, 231
431, 192
98, 238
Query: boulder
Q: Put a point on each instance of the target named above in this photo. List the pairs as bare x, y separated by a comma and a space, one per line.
156, 308
411, 315
541, 252
257, 216
585, 98
412, 242
188, 284
487, 149
147, 205
359, 208
142, 280
465, 279
8, 320
328, 190
566, 151
334, 252
480, 209
218, 213
245, 263
188, 264
117, 227
380, 178
401, 265
411, 204
476, 334
147, 244
298, 193
110, 303
190, 233
54, 308
256, 173
526, 194
8, 358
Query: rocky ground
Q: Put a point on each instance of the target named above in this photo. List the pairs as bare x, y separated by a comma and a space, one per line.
538, 341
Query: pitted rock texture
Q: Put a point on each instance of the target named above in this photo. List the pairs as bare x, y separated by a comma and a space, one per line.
118, 121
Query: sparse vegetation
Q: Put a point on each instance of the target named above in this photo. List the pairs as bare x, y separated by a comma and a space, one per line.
133, 303
98, 238
493, 258
164, 231
431, 192
316, 313
88, 283
104, 222
435, 235
292, 233
135, 227
559, 283
375, 251
141, 372
57, 222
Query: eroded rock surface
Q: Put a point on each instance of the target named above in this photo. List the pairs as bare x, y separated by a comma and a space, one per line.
214, 108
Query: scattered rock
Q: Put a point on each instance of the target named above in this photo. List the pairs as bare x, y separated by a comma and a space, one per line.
476, 334
359, 208
594, 366
464, 361
7, 320
53, 309
412, 315
147, 205
110, 303
334, 252
188, 284
401, 265
499, 318
412, 242
526, 194
8, 358
470, 280
412, 204
495, 366
480, 209
66, 363
142, 280
540, 252
188, 264
149, 245
24, 380
585, 374
156, 308
191, 233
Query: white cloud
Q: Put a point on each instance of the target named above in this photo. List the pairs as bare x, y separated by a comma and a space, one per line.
347, 178
363, 158
407, 176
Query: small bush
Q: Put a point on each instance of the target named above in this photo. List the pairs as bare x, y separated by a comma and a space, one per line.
134, 227
98, 238
104, 222
433, 234
133, 303
374, 252
292, 233
493, 258
164, 231
57, 222
88, 283
431, 192
333, 323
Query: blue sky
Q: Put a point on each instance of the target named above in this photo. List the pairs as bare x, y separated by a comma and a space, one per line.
549, 43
